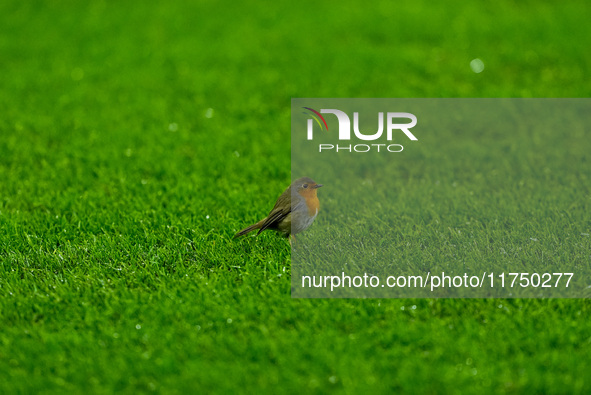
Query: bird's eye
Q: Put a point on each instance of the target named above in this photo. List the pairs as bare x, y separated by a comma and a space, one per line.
305, 185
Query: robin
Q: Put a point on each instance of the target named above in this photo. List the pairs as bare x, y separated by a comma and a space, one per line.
294, 211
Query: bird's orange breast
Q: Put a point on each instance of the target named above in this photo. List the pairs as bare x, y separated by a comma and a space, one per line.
311, 201
313, 205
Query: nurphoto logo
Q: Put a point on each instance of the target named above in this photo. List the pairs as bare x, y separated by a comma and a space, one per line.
344, 130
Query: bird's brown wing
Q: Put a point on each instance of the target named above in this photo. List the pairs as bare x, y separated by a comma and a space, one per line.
279, 212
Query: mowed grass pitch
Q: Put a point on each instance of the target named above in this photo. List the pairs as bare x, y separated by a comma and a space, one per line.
121, 192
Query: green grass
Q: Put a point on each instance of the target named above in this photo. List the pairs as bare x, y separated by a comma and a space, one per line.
119, 197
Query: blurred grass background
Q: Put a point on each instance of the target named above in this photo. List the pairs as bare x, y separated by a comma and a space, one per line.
136, 138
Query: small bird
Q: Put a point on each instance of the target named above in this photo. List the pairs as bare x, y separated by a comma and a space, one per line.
294, 211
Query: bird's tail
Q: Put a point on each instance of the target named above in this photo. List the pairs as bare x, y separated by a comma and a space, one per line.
248, 229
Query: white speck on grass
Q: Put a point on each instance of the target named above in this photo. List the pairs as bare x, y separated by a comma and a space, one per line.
533, 239
209, 113
333, 379
236, 154
477, 65
585, 234
229, 320
207, 217
138, 327
173, 127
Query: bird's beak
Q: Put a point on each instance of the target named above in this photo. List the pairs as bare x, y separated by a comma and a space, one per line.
317, 186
